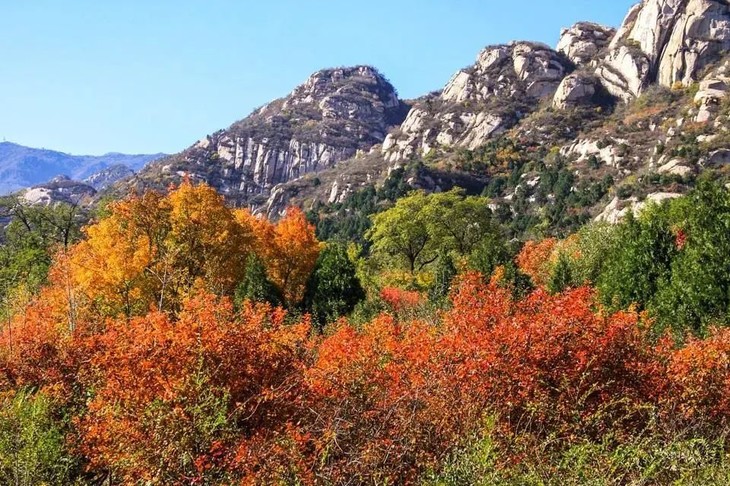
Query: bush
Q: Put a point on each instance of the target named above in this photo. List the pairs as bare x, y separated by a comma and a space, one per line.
32, 442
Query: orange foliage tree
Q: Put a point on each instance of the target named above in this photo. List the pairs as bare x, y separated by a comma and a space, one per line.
290, 249
174, 398
535, 259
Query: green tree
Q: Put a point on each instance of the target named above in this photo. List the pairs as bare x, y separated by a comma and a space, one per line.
403, 233
444, 274
595, 242
638, 261
29, 236
458, 222
697, 292
561, 277
490, 253
419, 227
333, 289
256, 285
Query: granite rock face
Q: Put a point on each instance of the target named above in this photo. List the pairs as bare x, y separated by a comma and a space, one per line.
59, 189
335, 115
575, 90
582, 42
480, 101
345, 127
667, 42
108, 176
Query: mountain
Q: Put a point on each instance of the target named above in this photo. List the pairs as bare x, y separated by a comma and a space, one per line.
108, 176
593, 128
335, 115
59, 189
22, 167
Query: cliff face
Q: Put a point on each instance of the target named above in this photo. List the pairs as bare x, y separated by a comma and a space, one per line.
333, 116
613, 117
667, 42
485, 99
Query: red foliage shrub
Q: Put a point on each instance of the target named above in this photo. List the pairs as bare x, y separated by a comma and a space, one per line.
169, 394
548, 360
396, 397
213, 395
399, 300
376, 422
534, 260
698, 380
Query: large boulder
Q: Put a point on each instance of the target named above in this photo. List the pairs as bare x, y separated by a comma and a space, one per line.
584, 41
624, 72
709, 95
619, 209
575, 90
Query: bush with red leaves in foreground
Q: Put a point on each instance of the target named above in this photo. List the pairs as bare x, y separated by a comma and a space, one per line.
218, 396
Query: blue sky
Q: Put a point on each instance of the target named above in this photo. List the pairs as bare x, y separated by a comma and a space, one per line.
143, 76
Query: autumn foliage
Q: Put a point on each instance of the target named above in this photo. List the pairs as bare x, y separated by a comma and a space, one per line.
535, 258
290, 250
164, 381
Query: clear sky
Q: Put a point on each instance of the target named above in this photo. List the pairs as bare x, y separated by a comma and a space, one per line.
144, 76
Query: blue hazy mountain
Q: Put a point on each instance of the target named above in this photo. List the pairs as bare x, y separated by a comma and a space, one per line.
22, 167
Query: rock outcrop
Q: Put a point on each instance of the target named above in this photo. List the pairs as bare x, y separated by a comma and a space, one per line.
106, 177
583, 42
665, 41
575, 90
711, 92
544, 110
333, 116
618, 209
624, 72
505, 83
58, 189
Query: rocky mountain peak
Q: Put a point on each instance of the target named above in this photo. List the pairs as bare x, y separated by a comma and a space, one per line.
488, 97
323, 83
333, 116
665, 41
582, 42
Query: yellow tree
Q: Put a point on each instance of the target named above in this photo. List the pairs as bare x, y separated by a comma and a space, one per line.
207, 243
156, 250
290, 250
108, 268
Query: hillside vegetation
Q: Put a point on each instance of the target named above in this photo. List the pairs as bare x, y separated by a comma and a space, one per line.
179, 341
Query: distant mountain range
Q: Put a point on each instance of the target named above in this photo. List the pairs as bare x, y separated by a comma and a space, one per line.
22, 167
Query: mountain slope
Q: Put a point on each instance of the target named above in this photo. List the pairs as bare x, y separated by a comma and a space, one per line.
336, 114
609, 119
22, 167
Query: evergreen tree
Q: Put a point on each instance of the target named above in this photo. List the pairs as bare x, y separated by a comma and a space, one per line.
333, 289
256, 285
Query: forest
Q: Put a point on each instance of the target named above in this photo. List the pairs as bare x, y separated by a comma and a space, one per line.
167, 338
